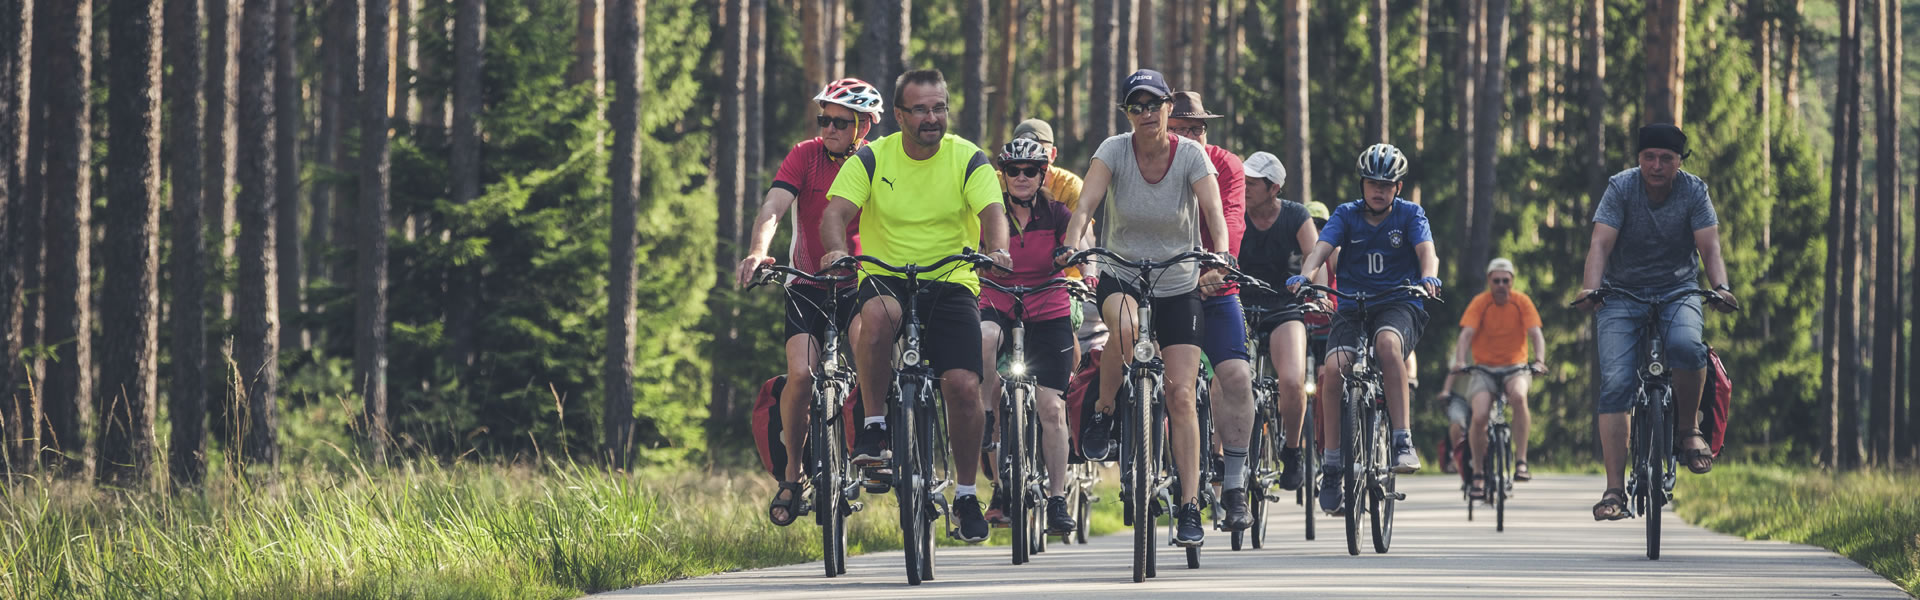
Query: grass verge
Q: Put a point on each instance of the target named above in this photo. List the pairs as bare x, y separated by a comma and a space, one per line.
415, 531
1870, 517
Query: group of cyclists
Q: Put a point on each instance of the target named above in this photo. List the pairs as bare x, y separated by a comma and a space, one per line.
1160, 190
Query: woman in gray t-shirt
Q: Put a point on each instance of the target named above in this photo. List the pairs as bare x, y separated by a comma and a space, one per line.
1157, 188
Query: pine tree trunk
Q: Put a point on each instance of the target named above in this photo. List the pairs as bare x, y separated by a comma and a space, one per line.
588, 65
1073, 134
1792, 50
1887, 240
1419, 133
432, 125
1377, 116
370, 285
1666, 36
17, 412
973, 72
730, 167
1196, 47
876, 67
899, 46
69, 387
1128, 36
835, 16
130, 315
469, 54
217, 209
1847, 439
406, 54
186, 266
1471, 23
256, 330
812, 35
286, 91
1836, 318
1007, 29
31, 220
343, 226
1910, 428
338, 51
1294, 100
756, 120
1492, 99
1100, 72
1593, 67
626, 41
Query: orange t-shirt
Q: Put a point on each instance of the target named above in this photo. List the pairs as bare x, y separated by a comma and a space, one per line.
1500, 332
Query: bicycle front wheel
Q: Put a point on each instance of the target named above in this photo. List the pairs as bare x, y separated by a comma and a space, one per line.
1501, 473
1013, 480
1660, 450
1354, 448
1382, 492
1309, 462
909, 484
827, 474
1139, 476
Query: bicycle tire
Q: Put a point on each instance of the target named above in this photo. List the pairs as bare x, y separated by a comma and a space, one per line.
1013, 481
1661, 437
1502, 463
1352, 447
1082, 513
1382, 491
1309, 463
1256, 465
1035, 490
933, 454
907, 483
1139, 489
826, 488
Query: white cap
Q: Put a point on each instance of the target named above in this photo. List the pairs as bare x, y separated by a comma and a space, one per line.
1501, 264
1266, 166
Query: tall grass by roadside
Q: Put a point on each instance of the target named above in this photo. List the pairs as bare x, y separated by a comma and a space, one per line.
1870, 517
416, 531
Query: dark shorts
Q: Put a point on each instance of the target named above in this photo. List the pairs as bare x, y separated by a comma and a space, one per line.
1225, 336
1403, 318
949, 320
1263, 330
1177, 320
1049, 347
807, 308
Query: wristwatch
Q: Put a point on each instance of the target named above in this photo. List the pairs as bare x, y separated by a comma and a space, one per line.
1723, 288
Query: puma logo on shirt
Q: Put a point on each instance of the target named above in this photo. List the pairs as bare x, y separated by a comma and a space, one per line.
888, 182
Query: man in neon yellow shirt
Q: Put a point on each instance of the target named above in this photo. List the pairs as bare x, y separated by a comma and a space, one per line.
921, 196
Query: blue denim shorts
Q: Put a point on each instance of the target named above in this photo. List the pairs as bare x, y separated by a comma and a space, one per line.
1619, 325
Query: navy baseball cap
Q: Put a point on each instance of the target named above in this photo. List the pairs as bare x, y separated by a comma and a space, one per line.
1145, 79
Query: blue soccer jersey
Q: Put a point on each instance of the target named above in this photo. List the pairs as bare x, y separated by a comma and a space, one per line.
1375, 258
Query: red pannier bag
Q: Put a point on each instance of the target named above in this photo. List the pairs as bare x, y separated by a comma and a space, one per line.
767, 424
1716, 402
1082, 392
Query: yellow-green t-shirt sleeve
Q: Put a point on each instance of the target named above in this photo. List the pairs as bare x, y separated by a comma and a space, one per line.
854, 182
981, 188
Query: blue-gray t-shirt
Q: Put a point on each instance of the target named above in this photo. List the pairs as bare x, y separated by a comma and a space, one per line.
1655, 249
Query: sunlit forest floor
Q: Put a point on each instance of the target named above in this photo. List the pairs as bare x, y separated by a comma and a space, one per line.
420, 530
1870, 517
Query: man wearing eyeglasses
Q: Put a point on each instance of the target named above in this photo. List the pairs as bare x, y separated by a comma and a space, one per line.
1225, 340
922, 194
1495, 330
848, 109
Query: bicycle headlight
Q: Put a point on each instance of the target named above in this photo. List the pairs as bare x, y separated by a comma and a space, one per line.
1018, 369
1311, 388
1143, 351
1656, 368
910, 357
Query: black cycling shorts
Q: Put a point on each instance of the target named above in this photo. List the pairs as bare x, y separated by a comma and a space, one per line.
1177, 320
807, 307
1049, 347
1282, 312
949, 320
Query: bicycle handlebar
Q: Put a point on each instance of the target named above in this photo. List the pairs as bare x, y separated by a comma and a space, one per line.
1206, 259
767, 274
1610, 291
966, 255
1418, 293
1073, 286
1500, 372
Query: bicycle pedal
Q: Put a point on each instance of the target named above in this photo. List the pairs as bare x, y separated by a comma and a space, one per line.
854, 507
1397, 496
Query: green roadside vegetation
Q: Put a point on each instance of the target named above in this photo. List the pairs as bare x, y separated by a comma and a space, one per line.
419, 530
1872, 517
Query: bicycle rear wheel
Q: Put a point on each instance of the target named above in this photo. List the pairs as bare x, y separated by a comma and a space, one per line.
1382, 492
909, 483
1309, 461
1500, 473
826, 448
936, 460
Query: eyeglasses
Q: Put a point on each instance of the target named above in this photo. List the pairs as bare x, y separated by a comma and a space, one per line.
1134, 108
922, 111
1029, 172
1192, 132
825, 121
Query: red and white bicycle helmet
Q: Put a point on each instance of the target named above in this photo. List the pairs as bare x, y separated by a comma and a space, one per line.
852, 93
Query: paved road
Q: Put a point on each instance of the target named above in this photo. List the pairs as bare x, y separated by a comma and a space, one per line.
1552, 547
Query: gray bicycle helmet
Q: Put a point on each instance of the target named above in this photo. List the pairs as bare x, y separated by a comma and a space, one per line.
1383, 162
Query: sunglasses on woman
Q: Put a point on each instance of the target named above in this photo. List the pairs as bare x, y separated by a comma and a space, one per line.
1134, 108
1027, 171
824, 121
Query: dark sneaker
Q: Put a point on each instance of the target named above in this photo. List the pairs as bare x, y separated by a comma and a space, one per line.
1059, 519
973, 526
1290, 478
1187, 532
1405, 460
1096, 438
1218, 468
997, 511
1235, 502
870, 446
1330, 484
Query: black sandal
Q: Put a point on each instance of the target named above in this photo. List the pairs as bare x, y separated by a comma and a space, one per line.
1521, 472
1477, 490
794, 503
1612, 505
1690, 456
